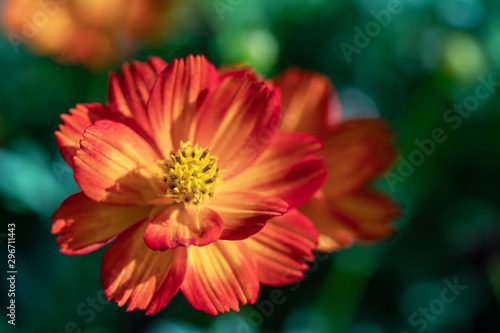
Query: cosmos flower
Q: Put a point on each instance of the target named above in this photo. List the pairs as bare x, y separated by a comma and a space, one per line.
93, 33
358, 151
182, 171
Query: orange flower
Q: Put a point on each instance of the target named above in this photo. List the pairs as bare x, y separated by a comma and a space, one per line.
358, 151
182, 170
94, 33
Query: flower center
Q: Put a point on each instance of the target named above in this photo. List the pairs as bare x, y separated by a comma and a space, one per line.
192, 174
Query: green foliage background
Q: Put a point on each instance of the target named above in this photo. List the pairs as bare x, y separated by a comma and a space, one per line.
428, 57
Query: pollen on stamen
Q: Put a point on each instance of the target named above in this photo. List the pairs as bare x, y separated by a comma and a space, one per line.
191, 174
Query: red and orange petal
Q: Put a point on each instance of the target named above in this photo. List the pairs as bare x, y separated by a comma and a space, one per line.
332, 234
85, 225
244, 213
239, 119
115, 165
358, 152
71, 131
175, 98
288, 169
129, 92
366, 213
220, 276
134, 274
79, 118
305, 98
362, 215
281, 248
175, 225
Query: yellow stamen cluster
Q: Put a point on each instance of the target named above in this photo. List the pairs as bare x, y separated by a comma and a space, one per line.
192, 174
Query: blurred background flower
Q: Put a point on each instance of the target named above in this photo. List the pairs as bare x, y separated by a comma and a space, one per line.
430, 68
94, 33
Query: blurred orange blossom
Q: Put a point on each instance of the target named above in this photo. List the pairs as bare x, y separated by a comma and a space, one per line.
358, 151
94, 33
